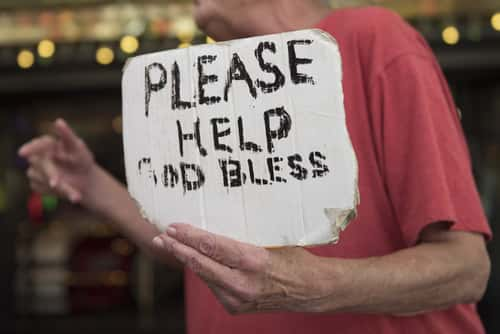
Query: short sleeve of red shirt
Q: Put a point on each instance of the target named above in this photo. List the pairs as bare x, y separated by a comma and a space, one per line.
424, 156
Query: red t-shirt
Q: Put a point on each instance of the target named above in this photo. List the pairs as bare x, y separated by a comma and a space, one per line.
414, 170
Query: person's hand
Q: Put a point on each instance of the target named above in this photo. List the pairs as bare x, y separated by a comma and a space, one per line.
60, 165
245, 278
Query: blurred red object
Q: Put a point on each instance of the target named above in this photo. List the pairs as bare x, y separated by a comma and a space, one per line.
35, 208
100, 274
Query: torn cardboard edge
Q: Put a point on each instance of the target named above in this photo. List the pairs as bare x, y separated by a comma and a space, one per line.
339, 218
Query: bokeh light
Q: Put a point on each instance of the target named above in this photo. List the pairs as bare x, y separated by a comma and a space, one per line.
185, 29
495, 21
184, 45
105, 55
46, 48
451, 35
129, 44
25, 59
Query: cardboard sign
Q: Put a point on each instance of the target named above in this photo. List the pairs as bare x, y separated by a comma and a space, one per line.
245, 139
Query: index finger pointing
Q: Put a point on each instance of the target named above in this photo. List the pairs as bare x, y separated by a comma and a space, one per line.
66, 134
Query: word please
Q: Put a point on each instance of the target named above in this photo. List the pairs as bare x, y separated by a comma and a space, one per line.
156, 76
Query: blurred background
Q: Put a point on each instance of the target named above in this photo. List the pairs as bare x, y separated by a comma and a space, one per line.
64, 270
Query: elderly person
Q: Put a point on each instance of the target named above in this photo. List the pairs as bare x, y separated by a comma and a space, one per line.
415, 259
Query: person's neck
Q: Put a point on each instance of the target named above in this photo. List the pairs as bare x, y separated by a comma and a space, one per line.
299, 14
287, 15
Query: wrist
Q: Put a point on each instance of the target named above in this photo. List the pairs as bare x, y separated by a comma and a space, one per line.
107, 197
320, 284
91, 193
334, 285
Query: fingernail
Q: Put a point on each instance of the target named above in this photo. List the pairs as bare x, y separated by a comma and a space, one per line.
158, 242
171, 231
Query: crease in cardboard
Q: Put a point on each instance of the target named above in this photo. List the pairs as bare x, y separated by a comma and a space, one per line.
196, 115
229, 55
293, 107
151, 187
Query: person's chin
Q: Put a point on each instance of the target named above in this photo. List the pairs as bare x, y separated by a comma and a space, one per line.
200, 20
206, 26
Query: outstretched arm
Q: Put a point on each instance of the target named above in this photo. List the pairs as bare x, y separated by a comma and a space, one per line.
64, 166
110, 199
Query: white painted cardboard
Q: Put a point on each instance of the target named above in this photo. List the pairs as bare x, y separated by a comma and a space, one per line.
264, 210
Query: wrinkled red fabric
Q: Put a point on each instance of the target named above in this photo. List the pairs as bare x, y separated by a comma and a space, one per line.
414, 170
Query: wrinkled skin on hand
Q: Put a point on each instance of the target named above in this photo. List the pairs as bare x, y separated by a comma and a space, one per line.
246, 278
60, 165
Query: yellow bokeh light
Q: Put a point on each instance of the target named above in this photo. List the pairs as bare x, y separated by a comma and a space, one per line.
184, 45
451, 35
46, 48
25, 59
210, 40
185, 29
129, 44
104, 55
495, 21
